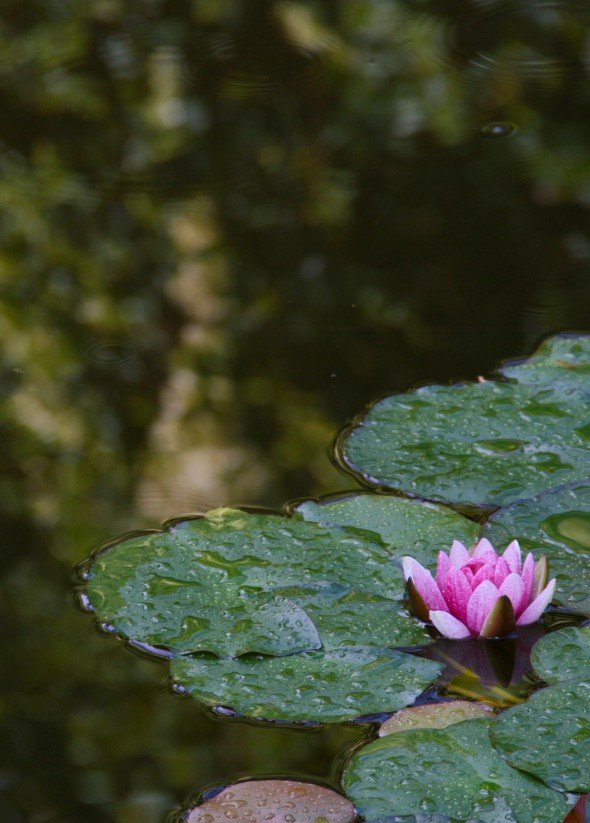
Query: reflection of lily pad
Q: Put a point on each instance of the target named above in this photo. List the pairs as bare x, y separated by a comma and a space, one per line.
563, 655
433, 716
321, 686
279, 801
454, 772
549, 736
484, 443
556, 524
211, 584
406, 526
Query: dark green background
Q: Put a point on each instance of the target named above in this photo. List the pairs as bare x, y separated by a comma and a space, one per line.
225, 226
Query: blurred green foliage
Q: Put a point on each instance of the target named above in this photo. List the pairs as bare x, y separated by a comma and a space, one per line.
225, 225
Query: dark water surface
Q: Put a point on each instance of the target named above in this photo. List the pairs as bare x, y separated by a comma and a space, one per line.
225, 226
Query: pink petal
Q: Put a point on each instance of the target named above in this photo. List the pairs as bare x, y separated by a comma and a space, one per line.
513, 587
512, 556
528, 577
485, 573
442, 569
538, 606
457, 592
483, 548
426, 587
458, 555
449, 626
407, 566
467, 573
501, 572
481, 602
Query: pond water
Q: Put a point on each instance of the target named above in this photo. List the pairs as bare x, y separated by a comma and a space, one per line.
226, 226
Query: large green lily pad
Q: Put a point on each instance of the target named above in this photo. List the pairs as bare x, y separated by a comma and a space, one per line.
563, 655
454, 772
232, 583
556, 524
406, 526
549, 736
484, 444
323, 686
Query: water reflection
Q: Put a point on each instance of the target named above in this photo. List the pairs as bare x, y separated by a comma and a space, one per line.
496, 672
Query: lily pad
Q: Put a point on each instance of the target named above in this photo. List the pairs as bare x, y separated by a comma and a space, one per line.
323, 686
282, 801
562, 359
556, 524
434, 716
563, 655
212, 584
454, 772
549, 737
480, 444
406, 526
344, 617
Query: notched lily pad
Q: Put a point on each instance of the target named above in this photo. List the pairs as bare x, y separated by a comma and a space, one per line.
556, 524
279, 801
481, 444
563, 655
434, 716
216, 584
323, 686
406, 526
549, 737
454, 772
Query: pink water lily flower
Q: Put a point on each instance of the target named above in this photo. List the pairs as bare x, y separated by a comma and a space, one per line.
478, 593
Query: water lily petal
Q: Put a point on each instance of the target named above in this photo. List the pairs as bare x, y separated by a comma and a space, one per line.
501, 572
533, 612
483, 548
427, 588
442, 569
513, 588
500, 621
486, 572
528, 577
419, 607
512, 556
457, 592
481, 603
449, 626
407, 566
458, 554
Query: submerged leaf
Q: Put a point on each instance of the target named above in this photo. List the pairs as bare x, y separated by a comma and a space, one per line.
434, 716
279, 801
